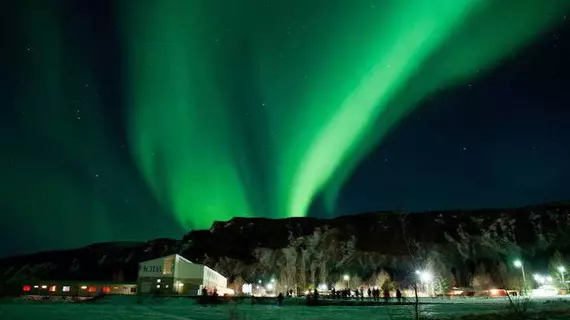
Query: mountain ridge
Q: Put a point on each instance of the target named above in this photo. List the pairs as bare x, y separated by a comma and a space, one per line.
457, 242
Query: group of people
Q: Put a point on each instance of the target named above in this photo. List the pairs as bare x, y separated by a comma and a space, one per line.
208, 299
372, 294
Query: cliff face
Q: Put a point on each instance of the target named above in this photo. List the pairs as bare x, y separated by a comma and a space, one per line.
464, 246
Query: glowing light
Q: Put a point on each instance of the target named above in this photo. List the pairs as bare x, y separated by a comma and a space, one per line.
425, 276
346, 277
246, 288
44, 287
323, 287
518, 264
541, 279
457, 292
270, 286
204, 161
544, 291
561, 269
83, 287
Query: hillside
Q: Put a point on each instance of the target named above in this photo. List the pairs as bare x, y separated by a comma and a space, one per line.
459, 245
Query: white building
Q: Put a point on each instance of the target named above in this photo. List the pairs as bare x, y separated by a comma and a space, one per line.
175, 275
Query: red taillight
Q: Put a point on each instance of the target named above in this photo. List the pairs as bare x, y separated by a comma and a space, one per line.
92, 289
106, 289
27, 288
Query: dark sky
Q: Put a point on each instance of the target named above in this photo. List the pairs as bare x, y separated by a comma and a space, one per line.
499, 141
71, 174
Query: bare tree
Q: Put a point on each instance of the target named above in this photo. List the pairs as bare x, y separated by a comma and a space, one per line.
290, 265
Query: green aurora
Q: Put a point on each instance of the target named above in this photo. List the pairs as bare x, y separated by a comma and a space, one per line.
324, 84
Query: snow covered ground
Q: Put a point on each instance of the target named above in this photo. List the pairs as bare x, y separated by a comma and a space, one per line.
116, 308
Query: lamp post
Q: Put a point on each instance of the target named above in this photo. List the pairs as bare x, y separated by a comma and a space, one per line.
425, 278
562, 271
347, 279
519, 264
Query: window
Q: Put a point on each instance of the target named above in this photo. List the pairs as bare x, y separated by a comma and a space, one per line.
133, 290
66, 289
27, 288
168, 266
106, 289
52, 289
92, 289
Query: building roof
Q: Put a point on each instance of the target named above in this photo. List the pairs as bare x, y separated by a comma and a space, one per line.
168, 256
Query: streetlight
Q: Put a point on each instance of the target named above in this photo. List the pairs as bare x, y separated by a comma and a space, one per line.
347, 279
425, 278
562, 271
273, 280
539, 279
518, 264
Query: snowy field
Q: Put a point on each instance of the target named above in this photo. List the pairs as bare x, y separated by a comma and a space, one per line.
116, 308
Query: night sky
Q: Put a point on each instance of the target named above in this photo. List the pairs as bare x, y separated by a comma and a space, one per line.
132, 120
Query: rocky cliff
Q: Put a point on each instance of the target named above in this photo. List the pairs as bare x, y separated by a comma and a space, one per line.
466, 247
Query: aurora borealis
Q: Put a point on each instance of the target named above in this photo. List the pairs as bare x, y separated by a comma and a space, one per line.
139, 119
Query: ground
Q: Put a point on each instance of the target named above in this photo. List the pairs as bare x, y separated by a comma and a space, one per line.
117, 308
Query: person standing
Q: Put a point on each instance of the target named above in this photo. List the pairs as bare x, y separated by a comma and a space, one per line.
399, 295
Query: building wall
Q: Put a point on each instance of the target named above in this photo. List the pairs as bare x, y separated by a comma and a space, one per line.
176, 275
84, 289
158, 268
153, 285
169, 286
185, 269
214, 279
